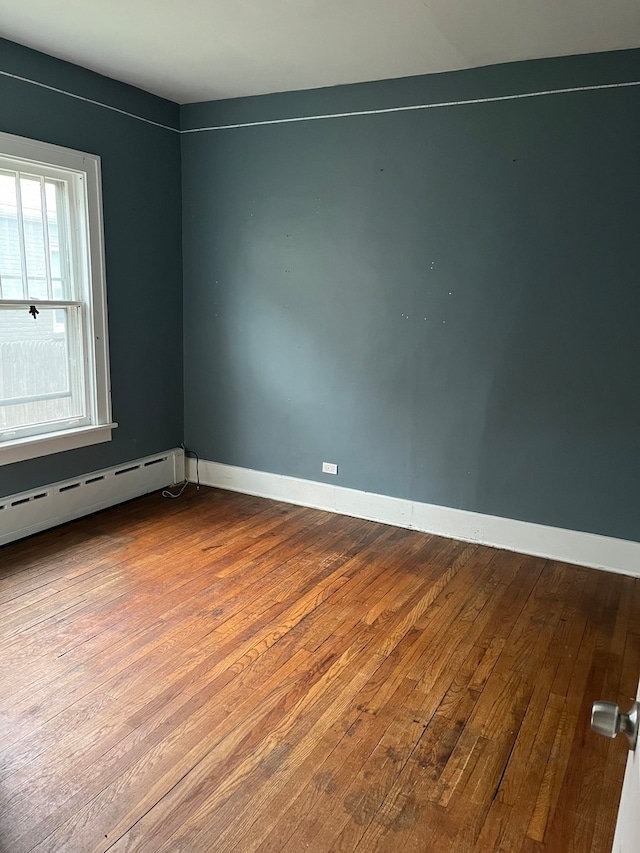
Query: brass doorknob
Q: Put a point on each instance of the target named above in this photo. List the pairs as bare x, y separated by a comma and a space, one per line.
607, 720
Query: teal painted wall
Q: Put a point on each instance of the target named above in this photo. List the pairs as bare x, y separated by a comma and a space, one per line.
442, 301
141, 195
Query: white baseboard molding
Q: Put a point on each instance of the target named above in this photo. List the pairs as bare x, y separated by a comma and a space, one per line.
570, 546
29, 512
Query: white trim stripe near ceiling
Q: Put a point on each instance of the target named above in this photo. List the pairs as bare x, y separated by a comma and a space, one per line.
383, 111
87, 100
435, 106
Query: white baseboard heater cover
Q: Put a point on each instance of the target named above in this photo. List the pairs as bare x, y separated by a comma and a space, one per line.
29, 512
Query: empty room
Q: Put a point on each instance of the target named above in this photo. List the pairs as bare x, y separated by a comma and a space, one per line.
319, 416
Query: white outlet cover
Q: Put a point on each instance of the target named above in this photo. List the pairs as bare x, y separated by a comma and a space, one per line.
329, 468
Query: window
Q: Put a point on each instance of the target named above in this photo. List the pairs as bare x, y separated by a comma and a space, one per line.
54, 367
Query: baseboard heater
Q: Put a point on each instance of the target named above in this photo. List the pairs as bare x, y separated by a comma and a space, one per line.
29, 512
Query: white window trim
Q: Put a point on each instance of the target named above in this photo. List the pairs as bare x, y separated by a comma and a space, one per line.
34, 446
16, 450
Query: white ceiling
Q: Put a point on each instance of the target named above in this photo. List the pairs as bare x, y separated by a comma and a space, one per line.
193, 50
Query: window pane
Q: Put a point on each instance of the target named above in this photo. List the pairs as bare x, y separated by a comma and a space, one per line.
39, 256
58, 260
41, 368
10, 266
11, 288
34, 245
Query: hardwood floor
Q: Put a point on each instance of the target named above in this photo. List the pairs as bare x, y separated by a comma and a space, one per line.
225, 673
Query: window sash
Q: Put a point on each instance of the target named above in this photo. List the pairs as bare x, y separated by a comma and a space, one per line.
46, 303
43, 373
61, 193
53, 209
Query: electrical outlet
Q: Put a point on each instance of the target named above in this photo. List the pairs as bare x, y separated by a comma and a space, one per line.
329, 468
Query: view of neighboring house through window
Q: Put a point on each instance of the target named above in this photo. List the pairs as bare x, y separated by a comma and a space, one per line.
53, 341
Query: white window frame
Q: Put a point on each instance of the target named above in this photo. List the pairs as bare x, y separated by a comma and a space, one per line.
90, 246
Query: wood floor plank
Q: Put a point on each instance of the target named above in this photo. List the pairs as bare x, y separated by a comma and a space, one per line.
226, 673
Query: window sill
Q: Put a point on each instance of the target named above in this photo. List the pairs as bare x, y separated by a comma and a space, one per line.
54, 442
